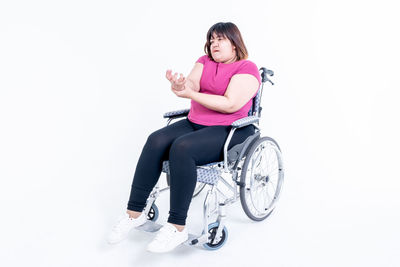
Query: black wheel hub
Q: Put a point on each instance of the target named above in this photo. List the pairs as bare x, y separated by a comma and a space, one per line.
213, 233
151, 214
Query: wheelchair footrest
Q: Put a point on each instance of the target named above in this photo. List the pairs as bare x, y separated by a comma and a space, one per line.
189, 241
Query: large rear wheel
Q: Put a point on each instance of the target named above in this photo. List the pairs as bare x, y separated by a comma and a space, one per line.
261, 178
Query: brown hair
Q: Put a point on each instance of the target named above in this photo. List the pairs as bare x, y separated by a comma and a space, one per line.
231, 32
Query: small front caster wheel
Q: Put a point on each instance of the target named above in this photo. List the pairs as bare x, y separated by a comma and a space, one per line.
153, 213
212, 230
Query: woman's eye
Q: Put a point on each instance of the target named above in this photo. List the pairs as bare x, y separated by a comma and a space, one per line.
219, 39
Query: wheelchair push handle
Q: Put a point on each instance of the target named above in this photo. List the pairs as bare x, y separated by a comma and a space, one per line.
264, 75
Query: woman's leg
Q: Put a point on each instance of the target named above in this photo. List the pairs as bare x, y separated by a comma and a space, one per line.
194, 149
149, 166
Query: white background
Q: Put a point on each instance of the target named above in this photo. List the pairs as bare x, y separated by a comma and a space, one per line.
82, 86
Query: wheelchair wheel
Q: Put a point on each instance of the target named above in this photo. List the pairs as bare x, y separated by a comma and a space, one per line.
261, 179
212, 230
199, 187
153, 213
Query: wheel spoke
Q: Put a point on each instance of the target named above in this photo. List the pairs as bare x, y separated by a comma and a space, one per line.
276, 171
273, 191
267, 199
273, 184
267, 161
260, 198
257, 194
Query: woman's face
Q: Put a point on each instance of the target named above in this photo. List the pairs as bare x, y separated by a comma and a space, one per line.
222, 49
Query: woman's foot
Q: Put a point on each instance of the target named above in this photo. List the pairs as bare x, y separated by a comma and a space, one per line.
124, 225
168, 238
179, 227
133, 214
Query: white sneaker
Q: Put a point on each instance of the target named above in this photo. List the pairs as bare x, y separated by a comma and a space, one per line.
167, 238
123, 226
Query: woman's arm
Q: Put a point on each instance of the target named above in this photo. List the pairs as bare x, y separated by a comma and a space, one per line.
193, 79
241, 89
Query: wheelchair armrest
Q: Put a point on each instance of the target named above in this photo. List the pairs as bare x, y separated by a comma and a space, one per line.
245, 121
176, 113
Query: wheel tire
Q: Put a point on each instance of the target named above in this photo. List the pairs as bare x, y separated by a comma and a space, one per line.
247, 177
153, 213
212, 230
199, 187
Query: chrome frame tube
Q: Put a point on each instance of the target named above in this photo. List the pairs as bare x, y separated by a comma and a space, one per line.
221, 222
258, 110
206, 209
228, 140
222, 193
227, 184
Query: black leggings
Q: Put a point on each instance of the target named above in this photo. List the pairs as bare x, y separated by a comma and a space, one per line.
186, 145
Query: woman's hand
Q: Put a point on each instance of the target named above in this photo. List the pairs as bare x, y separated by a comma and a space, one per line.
185, 92
176, 84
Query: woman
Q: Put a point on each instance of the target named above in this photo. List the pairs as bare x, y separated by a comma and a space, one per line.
221, 86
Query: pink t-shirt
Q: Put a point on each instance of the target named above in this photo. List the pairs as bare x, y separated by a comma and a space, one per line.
214, 80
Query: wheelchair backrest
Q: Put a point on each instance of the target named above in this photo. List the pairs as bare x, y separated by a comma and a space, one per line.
255, 109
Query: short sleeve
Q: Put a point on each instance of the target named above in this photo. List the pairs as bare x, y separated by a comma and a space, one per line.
248, 67
203, 59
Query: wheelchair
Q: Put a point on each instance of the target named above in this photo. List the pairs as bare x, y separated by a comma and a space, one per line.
257, 172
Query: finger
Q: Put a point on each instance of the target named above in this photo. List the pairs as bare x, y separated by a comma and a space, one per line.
173, 78
168, 73
182, 80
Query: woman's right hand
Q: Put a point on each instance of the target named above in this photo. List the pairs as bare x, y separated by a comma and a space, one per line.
176, 84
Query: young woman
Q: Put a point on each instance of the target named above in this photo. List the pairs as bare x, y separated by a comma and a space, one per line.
221, 87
